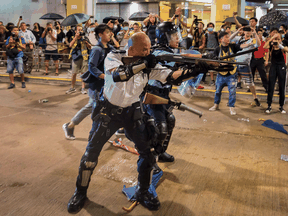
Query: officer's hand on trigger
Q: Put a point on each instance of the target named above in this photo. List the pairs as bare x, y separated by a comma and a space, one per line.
150, 61
203, 66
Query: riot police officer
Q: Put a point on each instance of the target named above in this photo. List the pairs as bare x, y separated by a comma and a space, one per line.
168, 39
120, 107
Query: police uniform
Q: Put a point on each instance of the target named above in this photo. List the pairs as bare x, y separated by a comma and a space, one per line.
164, 118
119, 107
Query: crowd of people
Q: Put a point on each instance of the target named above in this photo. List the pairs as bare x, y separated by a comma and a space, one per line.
79, 40
117, 88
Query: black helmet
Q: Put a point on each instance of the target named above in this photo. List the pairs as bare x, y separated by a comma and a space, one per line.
163, 32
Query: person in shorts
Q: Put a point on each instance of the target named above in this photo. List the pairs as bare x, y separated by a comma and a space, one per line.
249, 41
14, 45
51, 50
80, 47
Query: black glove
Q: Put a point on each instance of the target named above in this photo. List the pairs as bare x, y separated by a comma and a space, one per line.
150, 61
209, 56
203, 66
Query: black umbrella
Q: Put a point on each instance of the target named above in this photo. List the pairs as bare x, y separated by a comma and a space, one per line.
241, 20
273, 18
75, 19
51, 16
107, 19
139, 16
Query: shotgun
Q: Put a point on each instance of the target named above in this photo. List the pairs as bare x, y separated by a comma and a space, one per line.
154, 99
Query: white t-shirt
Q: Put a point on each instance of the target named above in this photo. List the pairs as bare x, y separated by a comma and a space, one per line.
50, 41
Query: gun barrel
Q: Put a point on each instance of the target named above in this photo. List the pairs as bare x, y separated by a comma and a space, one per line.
184, 107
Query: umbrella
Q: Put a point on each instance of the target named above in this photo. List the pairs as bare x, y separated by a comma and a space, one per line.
241, 20
139, 16
75, 19
273, 18
106, 19
51, 16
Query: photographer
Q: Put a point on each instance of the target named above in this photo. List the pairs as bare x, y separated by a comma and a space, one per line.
277, 69
198, 35
15, 44
181, 22
116, 29
60, 41
37, 32
30, 40
80, 47
51, 49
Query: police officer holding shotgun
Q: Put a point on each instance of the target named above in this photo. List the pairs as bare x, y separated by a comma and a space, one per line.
120, 107
168, 39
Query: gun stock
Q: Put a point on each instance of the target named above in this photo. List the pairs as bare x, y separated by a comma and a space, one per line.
130, 59
154, 99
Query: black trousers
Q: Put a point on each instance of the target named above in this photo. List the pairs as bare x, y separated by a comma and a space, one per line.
277, 70
259, 65
111, 119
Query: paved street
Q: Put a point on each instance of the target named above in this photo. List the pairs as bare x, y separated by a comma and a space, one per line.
223, 166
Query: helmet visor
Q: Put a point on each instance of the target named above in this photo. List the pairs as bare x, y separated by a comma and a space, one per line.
174, 39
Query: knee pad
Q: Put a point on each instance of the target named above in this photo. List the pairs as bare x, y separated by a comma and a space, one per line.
87, 165
170, 121
89, 161
163, 130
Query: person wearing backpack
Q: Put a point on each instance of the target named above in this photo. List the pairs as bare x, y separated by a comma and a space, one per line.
94, 76
211, 38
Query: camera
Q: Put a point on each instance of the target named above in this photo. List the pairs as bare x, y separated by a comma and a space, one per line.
275, 43
57, 27
247, 29
196, 20
176, 15
82, 34
14, 37
20, 17
112, 21
49, 29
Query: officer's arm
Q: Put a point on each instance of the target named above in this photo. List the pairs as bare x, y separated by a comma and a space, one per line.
177, 77
125, 72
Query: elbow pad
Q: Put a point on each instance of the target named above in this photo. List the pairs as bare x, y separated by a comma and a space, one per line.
125, 72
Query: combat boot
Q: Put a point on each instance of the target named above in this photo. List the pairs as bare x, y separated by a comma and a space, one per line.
76, 202
165, 157
147, 199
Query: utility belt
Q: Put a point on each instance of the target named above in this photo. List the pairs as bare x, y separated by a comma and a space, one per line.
104, 107
106, 111
157, 91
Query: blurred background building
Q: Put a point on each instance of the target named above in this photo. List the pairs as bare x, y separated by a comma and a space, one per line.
207, 10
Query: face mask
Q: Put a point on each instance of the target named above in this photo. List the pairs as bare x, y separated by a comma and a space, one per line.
92, 29
283, 35
223, 30
210, 29
126, 28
